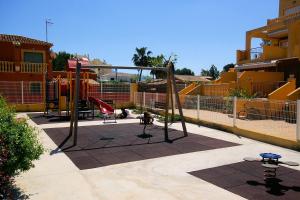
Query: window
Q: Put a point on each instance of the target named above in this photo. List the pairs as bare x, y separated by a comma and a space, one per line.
33, 57
35, 88
292, 10
284, 43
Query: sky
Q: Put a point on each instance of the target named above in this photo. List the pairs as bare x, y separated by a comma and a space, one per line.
200, 33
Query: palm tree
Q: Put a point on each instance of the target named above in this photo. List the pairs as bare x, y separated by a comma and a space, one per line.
158, 61
142, 57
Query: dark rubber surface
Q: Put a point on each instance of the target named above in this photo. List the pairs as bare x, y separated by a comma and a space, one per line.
118, 143
246, 179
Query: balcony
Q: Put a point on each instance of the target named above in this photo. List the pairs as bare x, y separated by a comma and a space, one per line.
23, 67
261, 54
292, 16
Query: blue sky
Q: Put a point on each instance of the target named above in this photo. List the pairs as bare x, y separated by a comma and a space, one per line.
200, 33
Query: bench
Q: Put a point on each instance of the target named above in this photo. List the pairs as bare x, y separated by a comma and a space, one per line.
160, 105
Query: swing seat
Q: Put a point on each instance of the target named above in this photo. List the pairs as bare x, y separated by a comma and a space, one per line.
107, 114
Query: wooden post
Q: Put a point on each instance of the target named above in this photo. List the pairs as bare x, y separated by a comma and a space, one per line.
75, 107
77, 89
172, 100
198, 107
171, 72
298, 121
167, 104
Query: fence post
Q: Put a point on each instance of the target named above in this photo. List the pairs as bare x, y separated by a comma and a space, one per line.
134, 98
198, 107
174, 102
298, 121
156, 97
22, 91
101, 89
144, 99
234, 111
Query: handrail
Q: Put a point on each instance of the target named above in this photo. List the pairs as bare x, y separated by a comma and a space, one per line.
33, 67
6, 66
283, 18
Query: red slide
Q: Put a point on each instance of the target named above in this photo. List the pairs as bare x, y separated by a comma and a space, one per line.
103, 107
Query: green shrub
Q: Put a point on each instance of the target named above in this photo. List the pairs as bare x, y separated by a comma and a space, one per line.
19, 145
161, 118
241, 93
137, 110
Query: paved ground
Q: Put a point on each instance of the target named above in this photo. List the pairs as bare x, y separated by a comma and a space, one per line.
57, 177
277, 128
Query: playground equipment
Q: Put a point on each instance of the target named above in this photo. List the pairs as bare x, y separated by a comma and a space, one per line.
146, 120
53, 97
171, 88
270, 161
105, 109
59, 96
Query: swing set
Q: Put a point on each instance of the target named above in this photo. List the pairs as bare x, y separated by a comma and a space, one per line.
169, 102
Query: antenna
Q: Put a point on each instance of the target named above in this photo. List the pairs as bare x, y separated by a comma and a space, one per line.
47, 21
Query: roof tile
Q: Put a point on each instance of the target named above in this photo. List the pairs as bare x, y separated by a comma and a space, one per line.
22, 39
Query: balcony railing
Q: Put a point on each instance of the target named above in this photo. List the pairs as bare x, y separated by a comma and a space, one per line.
260, 54
33, 67
256, 53
283, 18
6, 66
24, 67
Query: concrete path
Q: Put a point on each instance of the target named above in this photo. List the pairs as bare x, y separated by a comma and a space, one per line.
56, 177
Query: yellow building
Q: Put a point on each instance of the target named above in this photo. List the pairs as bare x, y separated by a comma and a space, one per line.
280, 48
271, 70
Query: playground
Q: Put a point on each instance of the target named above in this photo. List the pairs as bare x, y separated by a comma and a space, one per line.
111, 162
100, 146
96, 150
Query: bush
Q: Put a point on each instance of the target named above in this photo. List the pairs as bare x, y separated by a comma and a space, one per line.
161, 118
19, 146
241, 93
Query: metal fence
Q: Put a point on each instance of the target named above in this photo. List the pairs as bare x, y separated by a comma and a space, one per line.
119, 92
22, 92
31, 92
268, 117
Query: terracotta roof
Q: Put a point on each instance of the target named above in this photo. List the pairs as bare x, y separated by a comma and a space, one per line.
22, 39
